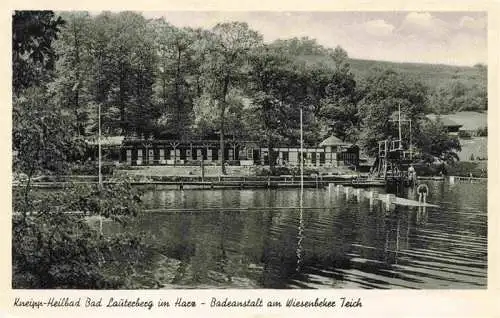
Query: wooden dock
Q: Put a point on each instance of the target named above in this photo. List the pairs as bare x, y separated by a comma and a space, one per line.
387, 198
217, 182
238, 182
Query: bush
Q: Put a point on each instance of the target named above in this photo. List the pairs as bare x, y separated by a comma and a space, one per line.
260, 171
464, 134
466, 168
430, 169
278, 171
57, 251
47, 253
92, 168
482, 132
54, 248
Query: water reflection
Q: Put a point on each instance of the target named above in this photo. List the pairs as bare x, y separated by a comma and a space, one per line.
327, 239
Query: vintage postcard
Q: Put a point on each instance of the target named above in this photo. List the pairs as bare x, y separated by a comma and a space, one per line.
252, 160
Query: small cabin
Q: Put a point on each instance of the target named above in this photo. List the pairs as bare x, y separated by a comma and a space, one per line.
451, 126
340, 153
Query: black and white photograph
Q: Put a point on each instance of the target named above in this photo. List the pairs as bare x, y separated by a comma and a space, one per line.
249, 150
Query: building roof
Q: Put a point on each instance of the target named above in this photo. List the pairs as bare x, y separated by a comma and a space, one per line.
107, 141
447, 122
332, 141
395, 116
469, 120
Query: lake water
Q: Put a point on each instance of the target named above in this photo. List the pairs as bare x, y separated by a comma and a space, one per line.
262, 239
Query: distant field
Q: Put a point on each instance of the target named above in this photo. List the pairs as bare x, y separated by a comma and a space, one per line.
469, 120
475, 146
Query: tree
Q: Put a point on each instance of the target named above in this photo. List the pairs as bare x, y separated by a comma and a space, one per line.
338, 110
40, 138
72, 74
32, 54
384, 92
207, 119
56, 247
280, 87
269, 72
434, 140
229, 46
461, 95
300, 47
123, 59
53, 246
177, 73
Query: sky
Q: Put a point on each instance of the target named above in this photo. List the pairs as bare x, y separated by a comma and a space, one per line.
454, 38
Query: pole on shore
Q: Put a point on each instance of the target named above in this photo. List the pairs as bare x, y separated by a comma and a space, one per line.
411, 144
301, 217
99, 146
399, 125
99, 168
202, 169
301, 159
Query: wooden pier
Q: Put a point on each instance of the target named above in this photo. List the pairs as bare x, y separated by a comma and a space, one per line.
388, 198
237, 182
250, 182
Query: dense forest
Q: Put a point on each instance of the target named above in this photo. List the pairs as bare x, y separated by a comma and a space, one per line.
152, 79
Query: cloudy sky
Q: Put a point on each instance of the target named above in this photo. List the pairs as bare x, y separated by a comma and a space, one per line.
457, 38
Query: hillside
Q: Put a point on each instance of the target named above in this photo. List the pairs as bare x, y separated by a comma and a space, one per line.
432, 75
475, 148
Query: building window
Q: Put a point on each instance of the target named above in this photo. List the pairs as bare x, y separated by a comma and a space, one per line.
321, 158
249, 154
285, 156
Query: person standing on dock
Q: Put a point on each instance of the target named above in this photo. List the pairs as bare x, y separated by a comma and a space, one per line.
412, 174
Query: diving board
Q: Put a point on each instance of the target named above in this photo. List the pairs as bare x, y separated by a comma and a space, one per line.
408, 202
387, 198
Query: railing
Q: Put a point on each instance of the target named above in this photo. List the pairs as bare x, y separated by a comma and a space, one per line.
283, 180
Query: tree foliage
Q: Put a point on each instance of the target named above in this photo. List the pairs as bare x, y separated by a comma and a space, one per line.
152, 78
338, 110
229, 46
457, 95
41, 140
384, 93
32, 54
271, 75
434, 140
53, 246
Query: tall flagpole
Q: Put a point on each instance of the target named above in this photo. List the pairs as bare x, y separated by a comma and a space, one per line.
99, 168
99, 143
411, 144
399, 124
301, 217
301, 159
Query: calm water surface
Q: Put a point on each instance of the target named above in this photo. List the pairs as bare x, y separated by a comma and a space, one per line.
262, 239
